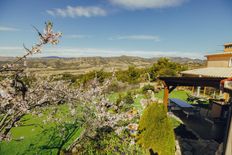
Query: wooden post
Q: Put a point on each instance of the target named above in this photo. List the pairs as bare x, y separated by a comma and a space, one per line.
193, 90
226, 97
199, 89
214, 94
204, 90
165, 99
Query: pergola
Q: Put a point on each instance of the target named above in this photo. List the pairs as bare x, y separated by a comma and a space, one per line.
170, 83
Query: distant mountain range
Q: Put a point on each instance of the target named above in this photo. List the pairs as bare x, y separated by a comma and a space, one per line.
124, 57
121, 62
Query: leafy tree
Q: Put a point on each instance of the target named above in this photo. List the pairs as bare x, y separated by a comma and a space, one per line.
131, 75
164, 67
101, 75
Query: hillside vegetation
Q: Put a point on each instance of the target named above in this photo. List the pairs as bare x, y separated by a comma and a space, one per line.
56, 65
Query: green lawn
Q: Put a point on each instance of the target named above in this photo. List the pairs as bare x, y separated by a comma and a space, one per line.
180, 94
33, 136
114, 96
137, 103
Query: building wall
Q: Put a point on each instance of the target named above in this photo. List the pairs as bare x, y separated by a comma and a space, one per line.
229, 141
218, 60
228, 50
217, 64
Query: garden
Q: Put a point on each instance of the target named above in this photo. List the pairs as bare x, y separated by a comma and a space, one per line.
94, 113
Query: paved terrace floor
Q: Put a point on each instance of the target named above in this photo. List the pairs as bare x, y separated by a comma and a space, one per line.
201, 127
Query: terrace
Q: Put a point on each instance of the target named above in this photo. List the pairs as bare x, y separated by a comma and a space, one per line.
200, 124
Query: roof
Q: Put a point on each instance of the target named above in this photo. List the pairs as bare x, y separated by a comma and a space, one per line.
192, 81
229, 43
222, 53
221, 72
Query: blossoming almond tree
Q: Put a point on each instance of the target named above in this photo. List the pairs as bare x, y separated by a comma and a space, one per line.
16, 98
21, 92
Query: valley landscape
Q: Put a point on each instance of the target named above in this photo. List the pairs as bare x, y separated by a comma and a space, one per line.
115, 77
82, 65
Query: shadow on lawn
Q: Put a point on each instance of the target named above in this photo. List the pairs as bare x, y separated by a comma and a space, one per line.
54, 139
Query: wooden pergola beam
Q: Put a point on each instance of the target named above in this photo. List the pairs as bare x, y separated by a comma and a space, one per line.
192, 81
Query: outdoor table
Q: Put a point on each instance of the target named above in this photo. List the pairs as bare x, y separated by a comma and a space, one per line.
181, 103
188, 109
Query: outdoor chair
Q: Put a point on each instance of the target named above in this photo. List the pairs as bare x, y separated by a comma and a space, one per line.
190, 98
173, 107
192, 111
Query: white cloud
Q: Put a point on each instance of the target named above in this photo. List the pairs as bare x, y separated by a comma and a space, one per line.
11, 51
147, 4
6, 29
78, 11
77, 36
10, 48
50, 12
85, 52
90, 52
137, 37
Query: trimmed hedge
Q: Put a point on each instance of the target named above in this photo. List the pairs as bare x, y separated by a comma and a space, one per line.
155, 130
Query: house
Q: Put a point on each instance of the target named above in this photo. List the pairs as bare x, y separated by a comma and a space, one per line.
218, 65
170, 83
218, 70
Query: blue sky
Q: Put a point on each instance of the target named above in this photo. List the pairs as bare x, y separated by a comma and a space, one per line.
146, 28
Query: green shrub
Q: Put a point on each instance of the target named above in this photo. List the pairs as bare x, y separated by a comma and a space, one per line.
113, 87
147, 87
64, 76
128, 99
155, 130
131, 75
124, 102
101, 75
107, 142
69, 77
119, 100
